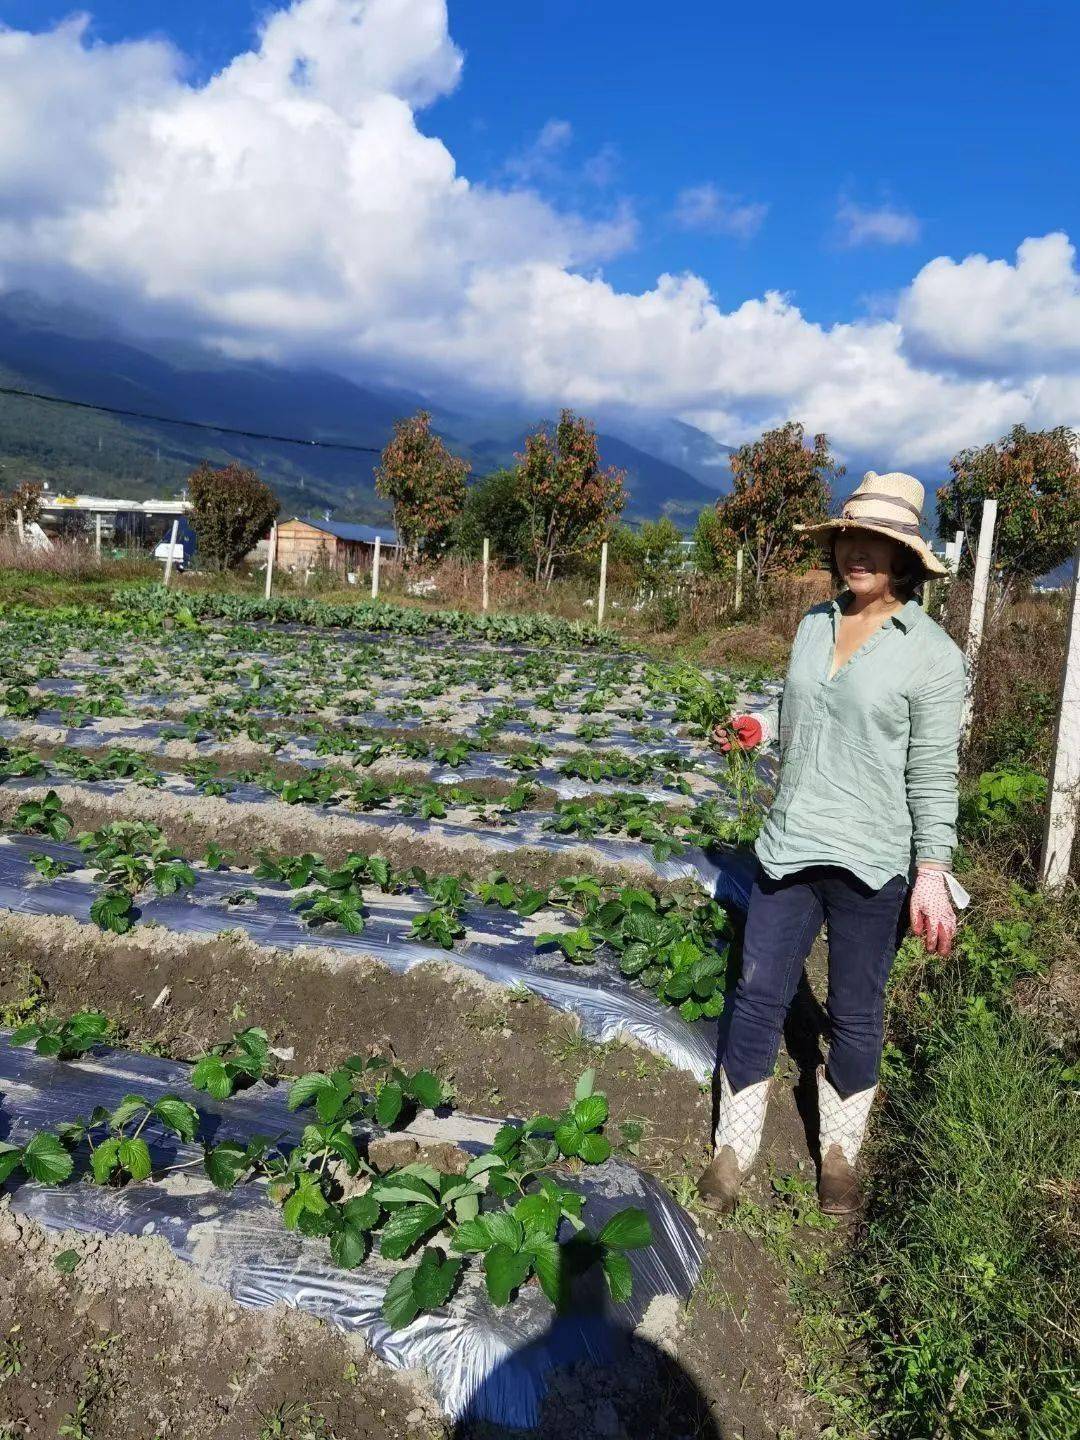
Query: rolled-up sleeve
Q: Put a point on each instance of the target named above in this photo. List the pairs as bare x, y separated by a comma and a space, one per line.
935, 707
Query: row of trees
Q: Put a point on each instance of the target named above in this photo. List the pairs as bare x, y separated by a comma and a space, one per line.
555, 504
780, 481
558, 503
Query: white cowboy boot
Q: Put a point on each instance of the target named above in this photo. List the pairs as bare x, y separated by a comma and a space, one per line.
737, 1141
842, 1126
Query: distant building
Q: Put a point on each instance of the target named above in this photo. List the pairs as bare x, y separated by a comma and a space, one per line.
123, 522
329, 544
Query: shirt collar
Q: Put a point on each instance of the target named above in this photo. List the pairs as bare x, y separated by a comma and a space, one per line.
904, 619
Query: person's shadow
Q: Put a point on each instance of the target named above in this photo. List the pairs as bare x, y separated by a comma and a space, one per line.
627, 1388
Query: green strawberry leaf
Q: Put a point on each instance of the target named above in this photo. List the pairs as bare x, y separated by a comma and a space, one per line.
505, 1270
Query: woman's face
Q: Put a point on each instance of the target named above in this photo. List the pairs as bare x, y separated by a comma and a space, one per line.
866, 561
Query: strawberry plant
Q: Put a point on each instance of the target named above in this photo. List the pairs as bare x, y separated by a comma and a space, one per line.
20, 763
358, 869
18, 702
332, 907
439, 926
370, 1089
113, 910
49, 868
118, 1152
524, 900
577, 945
44, 817
64, 1039
43, 1158
240, 1060
295, 871
419, 1288
216, 858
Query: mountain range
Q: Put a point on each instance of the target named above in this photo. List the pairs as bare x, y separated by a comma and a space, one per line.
58, 350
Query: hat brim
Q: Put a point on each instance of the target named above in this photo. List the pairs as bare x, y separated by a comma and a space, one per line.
915, 543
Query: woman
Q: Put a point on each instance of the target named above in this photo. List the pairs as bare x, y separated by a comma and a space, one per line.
865, 807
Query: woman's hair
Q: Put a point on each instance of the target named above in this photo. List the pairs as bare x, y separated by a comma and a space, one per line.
907, 570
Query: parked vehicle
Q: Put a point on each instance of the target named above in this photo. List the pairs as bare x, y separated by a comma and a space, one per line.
179, 558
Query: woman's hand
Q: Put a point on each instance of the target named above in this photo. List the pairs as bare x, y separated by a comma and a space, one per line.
741, 730
932, 915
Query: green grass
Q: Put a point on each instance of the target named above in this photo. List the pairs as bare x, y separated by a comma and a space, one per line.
968, 1270
958, 1308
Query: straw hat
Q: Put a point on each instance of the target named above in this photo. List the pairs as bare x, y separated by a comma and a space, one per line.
888, 505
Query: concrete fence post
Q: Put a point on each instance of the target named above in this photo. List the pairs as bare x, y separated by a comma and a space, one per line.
172, 549
484, 579
601, 602
271, 561
97, 536
738, 579
981, 585
1061, 812
20, 526
375, 568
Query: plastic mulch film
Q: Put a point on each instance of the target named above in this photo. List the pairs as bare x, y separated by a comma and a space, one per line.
722, 873
498, 945
483, 1362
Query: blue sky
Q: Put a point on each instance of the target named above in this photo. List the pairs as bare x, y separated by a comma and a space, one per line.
821, 182
964, 116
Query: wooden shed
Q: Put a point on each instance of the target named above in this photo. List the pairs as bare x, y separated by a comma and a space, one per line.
329, 544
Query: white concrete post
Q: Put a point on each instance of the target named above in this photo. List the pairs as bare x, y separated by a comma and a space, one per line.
602, 598
172, 547
927, 591
97, 535
738, 579
375, 568
1061, 814
484, 582
271, 561
20, 526
978, 609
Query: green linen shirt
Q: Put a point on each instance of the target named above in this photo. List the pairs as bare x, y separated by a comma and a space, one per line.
868, 759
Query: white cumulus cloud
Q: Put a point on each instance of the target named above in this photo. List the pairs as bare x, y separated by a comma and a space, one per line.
998, 317
293, 207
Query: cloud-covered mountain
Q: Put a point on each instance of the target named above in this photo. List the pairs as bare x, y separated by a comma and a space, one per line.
79, 355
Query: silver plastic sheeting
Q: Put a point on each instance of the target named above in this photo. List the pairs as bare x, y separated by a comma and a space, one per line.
301, 751
483, 1363
722, 873
499, 945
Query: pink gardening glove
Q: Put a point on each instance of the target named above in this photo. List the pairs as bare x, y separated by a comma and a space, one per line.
932, 915
745, 729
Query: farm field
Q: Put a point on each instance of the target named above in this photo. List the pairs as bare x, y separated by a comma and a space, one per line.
388, 880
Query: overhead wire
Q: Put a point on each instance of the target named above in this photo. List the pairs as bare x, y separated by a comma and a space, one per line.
192, 424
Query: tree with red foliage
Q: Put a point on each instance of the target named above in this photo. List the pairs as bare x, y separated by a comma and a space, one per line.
425, 483
779, 482
570, 501
229, 510
1035, 477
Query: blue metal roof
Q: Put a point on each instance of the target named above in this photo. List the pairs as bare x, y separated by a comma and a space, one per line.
364, 534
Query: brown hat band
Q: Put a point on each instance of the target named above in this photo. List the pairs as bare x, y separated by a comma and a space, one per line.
874, 521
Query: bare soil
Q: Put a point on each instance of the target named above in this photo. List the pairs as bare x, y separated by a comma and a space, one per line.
728, 1367
132, 1346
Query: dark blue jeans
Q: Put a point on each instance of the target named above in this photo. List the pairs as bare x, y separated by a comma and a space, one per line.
865, 928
